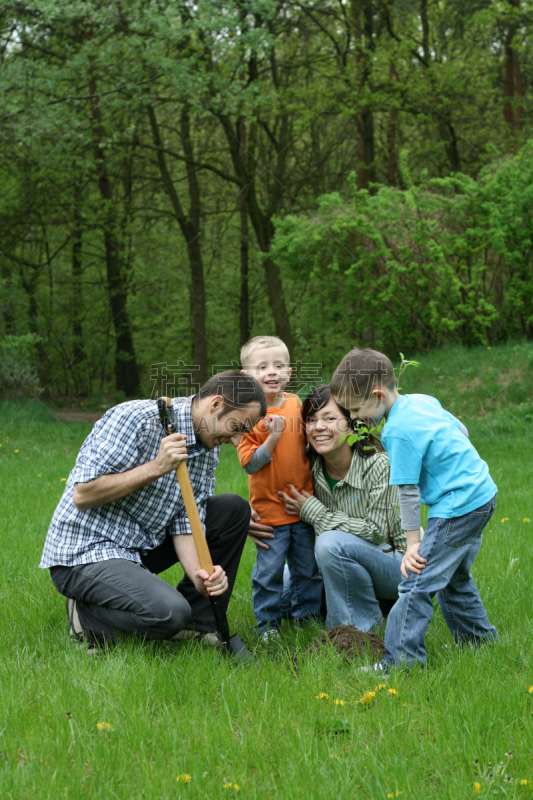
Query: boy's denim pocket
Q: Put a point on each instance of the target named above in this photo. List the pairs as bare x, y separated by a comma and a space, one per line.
469, 527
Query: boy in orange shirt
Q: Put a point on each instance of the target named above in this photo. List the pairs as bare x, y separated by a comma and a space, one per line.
273, 455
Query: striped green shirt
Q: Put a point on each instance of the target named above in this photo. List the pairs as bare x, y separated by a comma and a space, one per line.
361, 503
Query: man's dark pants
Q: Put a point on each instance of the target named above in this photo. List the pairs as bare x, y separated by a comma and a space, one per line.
118, 597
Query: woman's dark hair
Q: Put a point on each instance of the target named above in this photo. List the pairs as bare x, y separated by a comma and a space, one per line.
317, 399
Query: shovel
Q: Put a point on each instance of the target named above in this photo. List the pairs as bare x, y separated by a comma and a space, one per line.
233, 645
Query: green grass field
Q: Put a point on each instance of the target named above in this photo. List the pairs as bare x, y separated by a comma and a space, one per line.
183, 722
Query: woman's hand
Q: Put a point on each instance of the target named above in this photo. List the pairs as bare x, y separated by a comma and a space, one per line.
293, 504
412, 561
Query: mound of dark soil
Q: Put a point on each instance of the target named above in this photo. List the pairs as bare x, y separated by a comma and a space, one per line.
350, 642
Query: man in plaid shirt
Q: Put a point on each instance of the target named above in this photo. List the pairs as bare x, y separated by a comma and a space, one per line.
122, 520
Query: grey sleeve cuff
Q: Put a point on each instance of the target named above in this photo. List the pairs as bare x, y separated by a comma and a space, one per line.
260, 457
409, 506
464, 430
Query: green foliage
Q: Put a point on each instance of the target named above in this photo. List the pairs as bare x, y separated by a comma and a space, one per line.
446, 260
404, 364
18, 370
275, 93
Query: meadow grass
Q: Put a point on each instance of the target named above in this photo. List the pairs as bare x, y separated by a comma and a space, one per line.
185, 722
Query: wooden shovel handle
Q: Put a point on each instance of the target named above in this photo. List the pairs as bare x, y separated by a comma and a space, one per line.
204, 556
182, 474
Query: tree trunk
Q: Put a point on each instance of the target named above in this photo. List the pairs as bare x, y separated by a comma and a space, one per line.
126, 370
425, 30
190, 228
198, 298
362, 13
263, 229
78, 358
513, 92
447, 130
7, 305
77, 296
244, 317
33, 326
392, 166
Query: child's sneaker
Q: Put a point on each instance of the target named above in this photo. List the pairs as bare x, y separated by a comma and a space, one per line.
206, 637
76, 632
272, 634
380, 668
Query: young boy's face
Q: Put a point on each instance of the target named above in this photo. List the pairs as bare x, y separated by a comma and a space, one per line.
269, 366
371, 410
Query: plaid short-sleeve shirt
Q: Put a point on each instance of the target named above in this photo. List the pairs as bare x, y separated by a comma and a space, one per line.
128, 435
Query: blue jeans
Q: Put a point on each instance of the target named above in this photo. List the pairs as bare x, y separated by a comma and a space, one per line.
355, 574
450, 546
294, 543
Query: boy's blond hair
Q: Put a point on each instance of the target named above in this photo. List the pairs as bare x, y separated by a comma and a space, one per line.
359, 372
261, 341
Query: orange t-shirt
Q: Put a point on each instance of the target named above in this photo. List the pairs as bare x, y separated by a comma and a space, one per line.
289, 463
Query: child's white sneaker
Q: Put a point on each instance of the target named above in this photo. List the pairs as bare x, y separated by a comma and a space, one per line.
270, 634
380, 668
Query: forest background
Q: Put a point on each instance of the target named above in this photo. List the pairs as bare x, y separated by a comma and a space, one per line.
178, 176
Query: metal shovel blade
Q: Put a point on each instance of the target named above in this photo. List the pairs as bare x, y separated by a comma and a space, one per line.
237, 650
233, 645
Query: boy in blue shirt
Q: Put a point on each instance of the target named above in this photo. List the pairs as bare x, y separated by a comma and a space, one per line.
431, 460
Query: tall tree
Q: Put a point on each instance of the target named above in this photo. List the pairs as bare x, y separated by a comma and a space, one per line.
189, 223
513, 93
126, 370
362, 15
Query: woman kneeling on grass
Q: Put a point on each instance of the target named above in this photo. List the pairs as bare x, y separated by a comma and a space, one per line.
355, 514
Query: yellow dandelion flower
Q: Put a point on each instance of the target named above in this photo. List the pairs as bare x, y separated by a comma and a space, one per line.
393, 691
523, 783
230, 785
183, 778
489, 348
39, 475
17, 451
7, 439
63, 480
380, 686
339, 702
526, 519
505, 519
530, 690
322, 696
368, 697
477, 788
104, 726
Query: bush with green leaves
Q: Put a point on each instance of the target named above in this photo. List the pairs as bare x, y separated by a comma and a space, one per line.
445, 260
18, 369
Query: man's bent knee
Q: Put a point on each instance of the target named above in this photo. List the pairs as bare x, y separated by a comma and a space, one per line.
164, 620
234, 503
